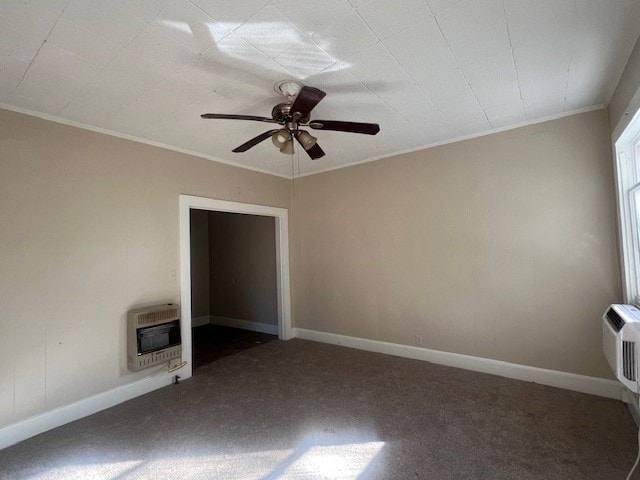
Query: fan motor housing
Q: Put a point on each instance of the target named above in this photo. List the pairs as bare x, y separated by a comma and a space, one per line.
282, 114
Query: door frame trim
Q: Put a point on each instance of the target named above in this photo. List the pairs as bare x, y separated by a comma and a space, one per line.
281, 216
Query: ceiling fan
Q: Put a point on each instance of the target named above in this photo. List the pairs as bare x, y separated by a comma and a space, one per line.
293, 114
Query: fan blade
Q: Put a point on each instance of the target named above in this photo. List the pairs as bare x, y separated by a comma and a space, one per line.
254, 141
306, 101
314, 152
225, 116
352, 127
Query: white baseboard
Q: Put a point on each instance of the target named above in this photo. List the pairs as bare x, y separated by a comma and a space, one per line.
199, 321
553, 378
42, 422
243, 324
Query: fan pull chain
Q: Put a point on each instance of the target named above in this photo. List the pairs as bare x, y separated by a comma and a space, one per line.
293, 175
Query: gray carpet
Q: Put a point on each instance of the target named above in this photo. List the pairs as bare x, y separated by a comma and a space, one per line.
301, 409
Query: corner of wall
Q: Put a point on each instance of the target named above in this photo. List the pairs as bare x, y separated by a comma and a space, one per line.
625, 100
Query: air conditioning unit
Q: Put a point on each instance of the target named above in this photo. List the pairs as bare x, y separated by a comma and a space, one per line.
621, 341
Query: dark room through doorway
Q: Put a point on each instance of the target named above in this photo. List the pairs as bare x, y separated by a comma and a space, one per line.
233, 283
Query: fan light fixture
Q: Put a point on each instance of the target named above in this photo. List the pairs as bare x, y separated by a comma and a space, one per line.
306, 139
283, 140
288, 148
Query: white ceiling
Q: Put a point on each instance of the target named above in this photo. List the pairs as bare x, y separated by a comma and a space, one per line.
425, 70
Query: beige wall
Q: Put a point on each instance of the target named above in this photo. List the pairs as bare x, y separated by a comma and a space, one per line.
500, 247
200, 287
243, 267
626, 97
88, 230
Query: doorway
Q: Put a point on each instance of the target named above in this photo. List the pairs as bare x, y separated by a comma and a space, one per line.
233, 283
236, 318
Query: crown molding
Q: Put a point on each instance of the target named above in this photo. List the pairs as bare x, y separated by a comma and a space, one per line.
458, 139
133, 138
63, 121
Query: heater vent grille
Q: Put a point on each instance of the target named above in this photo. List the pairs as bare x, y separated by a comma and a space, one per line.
629, 360
157, 316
